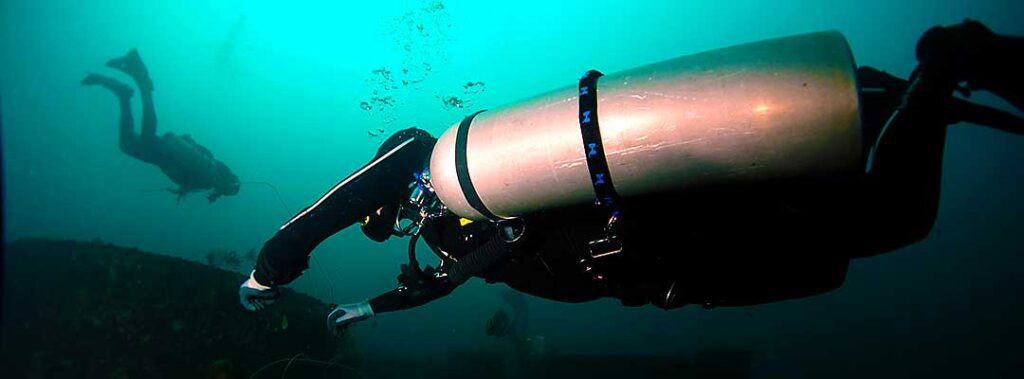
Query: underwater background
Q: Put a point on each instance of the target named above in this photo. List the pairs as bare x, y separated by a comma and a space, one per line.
299, 94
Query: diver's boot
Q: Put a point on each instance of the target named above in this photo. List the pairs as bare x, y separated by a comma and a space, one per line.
131, 64
970, 52
119, 89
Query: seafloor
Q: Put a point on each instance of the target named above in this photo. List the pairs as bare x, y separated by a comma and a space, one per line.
95, 310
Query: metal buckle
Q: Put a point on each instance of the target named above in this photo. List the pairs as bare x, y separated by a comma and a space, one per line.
510, 229
604, 247
610, 244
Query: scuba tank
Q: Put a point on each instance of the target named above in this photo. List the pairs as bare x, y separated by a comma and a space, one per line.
777, 109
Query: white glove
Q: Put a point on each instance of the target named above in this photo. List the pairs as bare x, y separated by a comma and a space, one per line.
254, 296
347, 314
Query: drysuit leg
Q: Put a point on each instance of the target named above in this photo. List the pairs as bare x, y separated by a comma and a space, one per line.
131, 64
129, 142
148, 117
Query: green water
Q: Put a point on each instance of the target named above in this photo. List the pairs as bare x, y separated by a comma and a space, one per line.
274, 89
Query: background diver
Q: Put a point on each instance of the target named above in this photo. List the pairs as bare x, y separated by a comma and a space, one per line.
723, 246
514, 326
190, 165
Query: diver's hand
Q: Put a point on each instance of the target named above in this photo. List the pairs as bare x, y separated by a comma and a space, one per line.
255, 296
179, 192
347, 314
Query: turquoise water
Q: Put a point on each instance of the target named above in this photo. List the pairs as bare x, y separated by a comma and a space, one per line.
275, 89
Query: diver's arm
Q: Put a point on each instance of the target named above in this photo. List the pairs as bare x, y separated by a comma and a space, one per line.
432, 286
972, 53
384, 180
419, 291
409, 297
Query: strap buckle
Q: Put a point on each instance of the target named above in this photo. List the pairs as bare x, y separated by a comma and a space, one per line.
610, 244
604, 247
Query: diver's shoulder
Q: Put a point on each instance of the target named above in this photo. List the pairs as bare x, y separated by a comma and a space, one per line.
413, 133
410, 138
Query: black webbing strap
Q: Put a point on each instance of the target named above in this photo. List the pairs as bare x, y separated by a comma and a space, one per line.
462, 169
591, 130
597, 163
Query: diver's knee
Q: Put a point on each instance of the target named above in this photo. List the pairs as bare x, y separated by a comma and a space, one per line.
900, 232
920, 228
133, 150
127, 148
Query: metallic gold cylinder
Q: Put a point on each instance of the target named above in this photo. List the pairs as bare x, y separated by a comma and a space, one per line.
782, 108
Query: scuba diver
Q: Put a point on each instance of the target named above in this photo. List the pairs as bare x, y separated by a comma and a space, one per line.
740, 176
515, 328
190, 165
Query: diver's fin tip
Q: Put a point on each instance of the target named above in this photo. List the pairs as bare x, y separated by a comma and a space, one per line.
119, 89
131, 63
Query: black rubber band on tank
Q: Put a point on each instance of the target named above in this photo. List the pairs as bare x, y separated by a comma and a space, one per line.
597, 163
462, 169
